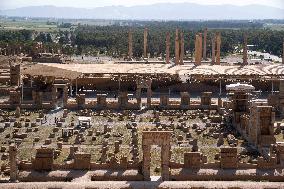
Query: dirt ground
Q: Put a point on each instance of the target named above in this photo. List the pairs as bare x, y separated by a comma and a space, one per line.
145, 185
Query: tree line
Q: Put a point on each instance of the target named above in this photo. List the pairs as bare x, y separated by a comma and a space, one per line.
113, 40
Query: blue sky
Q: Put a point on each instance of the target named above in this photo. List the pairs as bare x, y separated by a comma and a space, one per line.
10, 4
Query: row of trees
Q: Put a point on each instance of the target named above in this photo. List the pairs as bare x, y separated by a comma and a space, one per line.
113, 40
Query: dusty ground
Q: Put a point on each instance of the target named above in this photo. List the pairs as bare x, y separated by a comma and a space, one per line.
145, 185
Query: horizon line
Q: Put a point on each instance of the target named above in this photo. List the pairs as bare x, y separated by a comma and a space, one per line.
49, 5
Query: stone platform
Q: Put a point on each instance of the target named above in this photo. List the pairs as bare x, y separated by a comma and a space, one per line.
143, 185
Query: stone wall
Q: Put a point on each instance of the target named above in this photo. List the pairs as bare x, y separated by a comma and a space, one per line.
44, 159
15, 75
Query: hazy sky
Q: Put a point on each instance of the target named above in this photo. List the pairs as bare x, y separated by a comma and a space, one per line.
9, 4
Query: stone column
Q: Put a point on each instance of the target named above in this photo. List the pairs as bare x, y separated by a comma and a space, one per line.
213, 49
101, 100
205, 45
40, 99
168, 42
164, 100
218, 53
145, 42
70, 88
123, 99
65, 95
15, 75
185, 99
13, 163
146, 162
149, 96
54, 95
177, 50
245, 50
198, 49
206, 98
200, 46
76, 87
130, 44
283, 54
138, 96
181, 48
165, 158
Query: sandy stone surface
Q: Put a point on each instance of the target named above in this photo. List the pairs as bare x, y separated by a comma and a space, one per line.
143, 185
187, 69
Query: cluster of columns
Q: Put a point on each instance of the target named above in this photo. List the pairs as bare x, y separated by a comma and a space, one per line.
245, 50
200, 47
130, 44
216, 48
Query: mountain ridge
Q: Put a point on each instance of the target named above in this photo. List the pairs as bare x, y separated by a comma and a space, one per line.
159, 11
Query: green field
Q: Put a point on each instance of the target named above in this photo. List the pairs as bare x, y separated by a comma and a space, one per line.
27, 24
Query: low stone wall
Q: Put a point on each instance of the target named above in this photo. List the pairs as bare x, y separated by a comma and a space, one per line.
69, 175
227, 168
226, 174
117, 175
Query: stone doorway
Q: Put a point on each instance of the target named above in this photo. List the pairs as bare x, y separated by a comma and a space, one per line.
59, 93
162, 139
144, 84
156, 163
59, 97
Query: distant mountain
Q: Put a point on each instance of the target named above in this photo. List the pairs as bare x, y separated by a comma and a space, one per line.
161, 11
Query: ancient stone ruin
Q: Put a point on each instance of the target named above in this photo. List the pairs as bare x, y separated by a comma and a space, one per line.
141, 121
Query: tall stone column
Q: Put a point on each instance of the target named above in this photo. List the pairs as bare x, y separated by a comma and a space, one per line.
146, 162
53, 96
177, 50
130, 44
168, 42
188, 47
145, 42
181, 48
213, 49
65, 95
205, 45
245, 50
13, 163
200, 46
198, 49
283, 53
165, 158
218, 50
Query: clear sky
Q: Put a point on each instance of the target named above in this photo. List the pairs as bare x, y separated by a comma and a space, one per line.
10, 4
